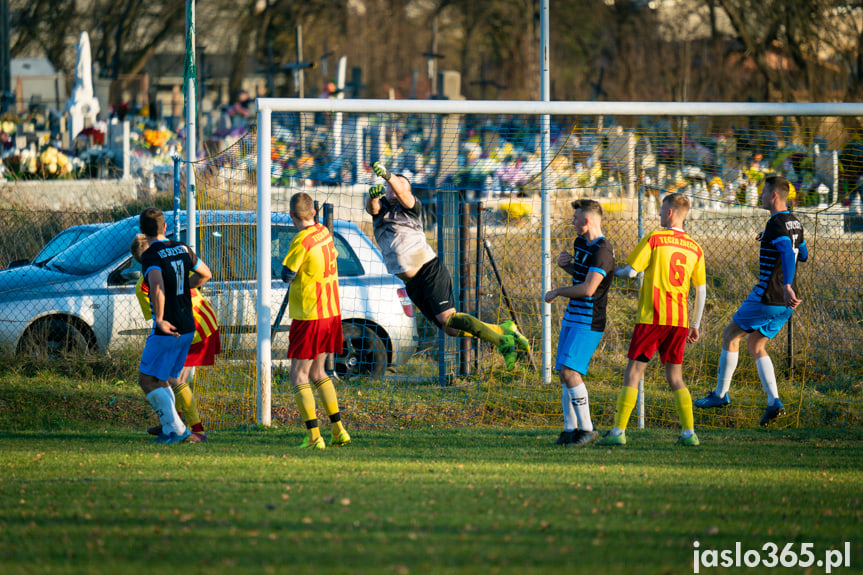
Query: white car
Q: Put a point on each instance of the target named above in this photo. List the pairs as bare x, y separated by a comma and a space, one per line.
84, 297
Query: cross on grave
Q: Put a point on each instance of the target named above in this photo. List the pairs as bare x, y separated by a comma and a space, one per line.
324, 62
431, 61
299, 65
483, 82
596, 90
355, 86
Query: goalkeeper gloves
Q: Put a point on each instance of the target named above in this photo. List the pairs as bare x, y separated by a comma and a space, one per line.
380, 171
377, 190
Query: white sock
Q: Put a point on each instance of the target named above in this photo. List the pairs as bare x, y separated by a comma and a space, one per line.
687, 433
768, 378
578, 395
570, 420
163, 402
615, 431
727, 365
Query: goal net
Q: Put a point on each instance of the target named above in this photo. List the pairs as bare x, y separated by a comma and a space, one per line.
496, 180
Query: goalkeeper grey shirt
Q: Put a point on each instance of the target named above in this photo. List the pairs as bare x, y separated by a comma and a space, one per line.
400, 236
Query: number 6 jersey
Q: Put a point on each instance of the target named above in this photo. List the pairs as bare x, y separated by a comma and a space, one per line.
670, 260
314, 291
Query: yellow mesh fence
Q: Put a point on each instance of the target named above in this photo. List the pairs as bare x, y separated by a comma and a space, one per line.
479, 179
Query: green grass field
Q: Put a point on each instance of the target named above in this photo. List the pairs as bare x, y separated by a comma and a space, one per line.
83, 491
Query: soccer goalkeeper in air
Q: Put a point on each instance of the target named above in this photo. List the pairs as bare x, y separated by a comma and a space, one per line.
398, 226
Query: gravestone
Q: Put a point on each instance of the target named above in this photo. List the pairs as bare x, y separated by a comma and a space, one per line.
621, 151
118, 142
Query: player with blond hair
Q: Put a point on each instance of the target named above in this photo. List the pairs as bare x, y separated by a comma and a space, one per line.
316, 322
670, 260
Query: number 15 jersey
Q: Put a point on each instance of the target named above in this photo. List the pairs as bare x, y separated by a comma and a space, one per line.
314, 291
671, 260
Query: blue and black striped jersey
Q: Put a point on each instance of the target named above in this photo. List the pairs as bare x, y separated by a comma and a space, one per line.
598, 256
782, 234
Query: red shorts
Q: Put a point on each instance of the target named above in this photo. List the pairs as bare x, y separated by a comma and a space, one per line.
204, 352
311, 337
669, 340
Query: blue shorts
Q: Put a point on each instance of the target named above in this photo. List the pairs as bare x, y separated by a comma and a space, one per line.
164, 355
575, 347
767, 319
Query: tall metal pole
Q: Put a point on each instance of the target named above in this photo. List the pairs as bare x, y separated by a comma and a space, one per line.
301, 76
546, 203
642, 196
5, 59
191, 124
264, 269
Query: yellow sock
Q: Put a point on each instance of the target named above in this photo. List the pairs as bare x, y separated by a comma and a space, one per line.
626, 400
186, 403
338, 427
327, 393
305, 399
469, 325
683, 402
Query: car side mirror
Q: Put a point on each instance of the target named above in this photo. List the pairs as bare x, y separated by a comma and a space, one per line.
130, 275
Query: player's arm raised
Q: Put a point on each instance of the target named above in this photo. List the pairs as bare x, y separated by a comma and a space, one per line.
373, 200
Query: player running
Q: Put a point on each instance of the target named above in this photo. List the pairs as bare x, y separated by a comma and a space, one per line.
770, 303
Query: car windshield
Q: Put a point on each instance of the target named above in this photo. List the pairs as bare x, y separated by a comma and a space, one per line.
98, 250
62, 241
230, 251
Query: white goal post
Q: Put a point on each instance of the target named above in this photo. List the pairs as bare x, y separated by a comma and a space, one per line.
267, 106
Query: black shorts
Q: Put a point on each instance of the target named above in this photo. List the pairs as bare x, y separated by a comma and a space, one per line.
431, 290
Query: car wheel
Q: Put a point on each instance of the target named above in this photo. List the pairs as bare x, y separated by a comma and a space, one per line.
363, 352
52, 337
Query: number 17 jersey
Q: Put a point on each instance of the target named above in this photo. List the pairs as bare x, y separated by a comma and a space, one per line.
671, 260
314, 291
